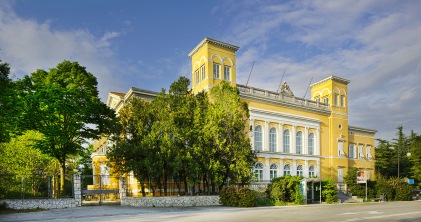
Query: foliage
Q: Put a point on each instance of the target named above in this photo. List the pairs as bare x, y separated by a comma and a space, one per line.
228, 196
329, 192
384, 187
184, 137
415, 157
63, 105
7, 108
246, 197
286, 189
401, 189
235, 197
358, 189
18, 157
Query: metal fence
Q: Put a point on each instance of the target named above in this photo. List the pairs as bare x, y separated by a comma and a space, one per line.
35, 186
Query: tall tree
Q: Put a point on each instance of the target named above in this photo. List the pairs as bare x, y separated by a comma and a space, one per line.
6, 102
63, 105
415, 157
386, 159
227, 122
401, 145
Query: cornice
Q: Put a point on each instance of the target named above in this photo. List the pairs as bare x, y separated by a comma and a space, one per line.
360, 129
213, 42
335, 78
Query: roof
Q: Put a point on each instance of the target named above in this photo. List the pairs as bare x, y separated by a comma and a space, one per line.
118, 94
335, 78
213, 42
360, 129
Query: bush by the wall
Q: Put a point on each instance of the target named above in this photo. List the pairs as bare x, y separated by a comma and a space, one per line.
246, 197
329, 193
286, 189
228, 196
234, 197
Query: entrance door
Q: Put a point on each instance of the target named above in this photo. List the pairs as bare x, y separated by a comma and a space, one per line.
340, 175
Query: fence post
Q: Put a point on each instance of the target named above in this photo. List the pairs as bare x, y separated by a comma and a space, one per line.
77, 195
122, 190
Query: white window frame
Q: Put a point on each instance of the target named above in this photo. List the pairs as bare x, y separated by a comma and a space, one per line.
368, 152
360, 152
216, 71
336, 99
258, 138
326, 100
258, 171
286, 139
311, 144
299, 142
300, 170
342, 100
351, 151
341, 148
287, 169
227, 73
272, 139
311, 171
273, 171
196, 75
203, 72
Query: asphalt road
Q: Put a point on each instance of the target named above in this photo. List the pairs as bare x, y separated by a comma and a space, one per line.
387, 211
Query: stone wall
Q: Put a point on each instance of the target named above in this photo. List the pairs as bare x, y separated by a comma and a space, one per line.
183, 201
49, 203
41, 203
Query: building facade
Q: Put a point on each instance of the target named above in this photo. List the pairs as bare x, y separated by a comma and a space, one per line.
291, 135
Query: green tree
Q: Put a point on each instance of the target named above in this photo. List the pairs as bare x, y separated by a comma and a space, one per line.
386, 159
63, 105
401, 145
7, 109
226, 124
415, 157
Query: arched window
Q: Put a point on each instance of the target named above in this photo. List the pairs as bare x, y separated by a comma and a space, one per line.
287, 169
299, 142
258, 171
300, 170
286, 141
311, 143
311, 172
272, 140
258, 138
273, 171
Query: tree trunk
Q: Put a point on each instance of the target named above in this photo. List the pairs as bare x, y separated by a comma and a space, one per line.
62, 172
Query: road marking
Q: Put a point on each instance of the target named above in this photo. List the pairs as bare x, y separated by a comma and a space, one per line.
361, 212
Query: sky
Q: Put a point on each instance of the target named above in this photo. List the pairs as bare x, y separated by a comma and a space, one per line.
376, 44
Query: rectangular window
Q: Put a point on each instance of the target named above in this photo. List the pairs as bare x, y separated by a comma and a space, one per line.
368, 152
326, 100
227, 70
343, 101
336, 99
202, 70
341, 149
196, 75
360, 152
317, 100
351, 151
216, 71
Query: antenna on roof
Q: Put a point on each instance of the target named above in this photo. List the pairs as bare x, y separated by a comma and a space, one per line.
250, 73
308, 87
281, 80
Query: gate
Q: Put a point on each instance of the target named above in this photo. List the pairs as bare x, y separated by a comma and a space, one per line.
100, 189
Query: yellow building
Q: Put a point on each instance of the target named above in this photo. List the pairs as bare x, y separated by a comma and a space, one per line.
292, 135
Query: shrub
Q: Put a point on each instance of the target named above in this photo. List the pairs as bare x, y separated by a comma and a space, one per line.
234, 197
228, 196
329, 193
286, 189
246, 197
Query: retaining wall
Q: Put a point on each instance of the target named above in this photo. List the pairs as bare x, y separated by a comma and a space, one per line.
49, 203
183, 201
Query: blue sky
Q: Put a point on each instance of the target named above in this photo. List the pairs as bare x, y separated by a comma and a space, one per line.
375, 44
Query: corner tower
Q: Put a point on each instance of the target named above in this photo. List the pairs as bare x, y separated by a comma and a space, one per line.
212, 61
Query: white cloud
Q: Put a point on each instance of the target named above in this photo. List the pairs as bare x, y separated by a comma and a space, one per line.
28, 45
376, 46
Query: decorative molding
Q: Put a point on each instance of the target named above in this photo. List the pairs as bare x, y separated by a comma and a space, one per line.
215, 43
335, 78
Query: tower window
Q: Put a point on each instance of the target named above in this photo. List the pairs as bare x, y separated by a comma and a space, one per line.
336, 99
227, 71
202, 70
216, 71
326, 100
343, 101
196, 75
